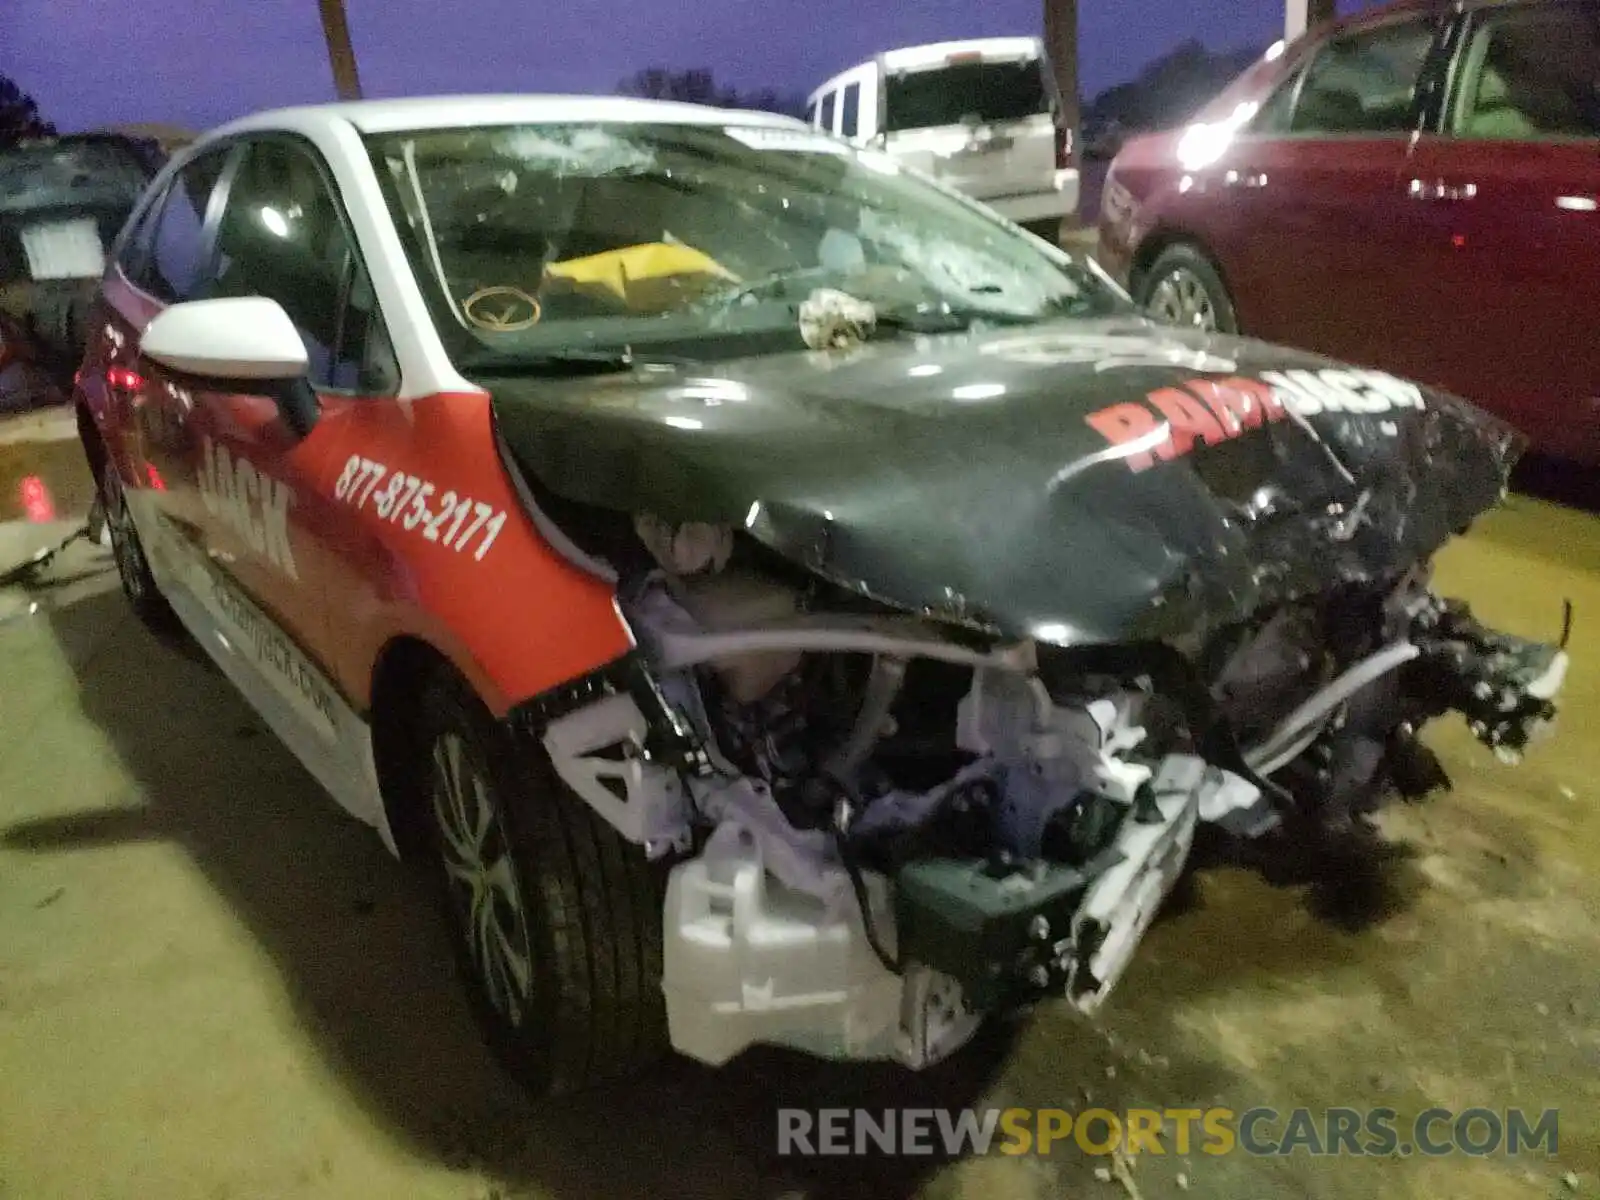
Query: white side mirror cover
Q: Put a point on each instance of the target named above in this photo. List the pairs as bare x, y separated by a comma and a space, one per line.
244, 337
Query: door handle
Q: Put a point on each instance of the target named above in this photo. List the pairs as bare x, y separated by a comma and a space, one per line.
1439, 189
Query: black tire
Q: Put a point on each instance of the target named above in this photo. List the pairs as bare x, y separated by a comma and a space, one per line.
133, 568
582, 902
1181, 273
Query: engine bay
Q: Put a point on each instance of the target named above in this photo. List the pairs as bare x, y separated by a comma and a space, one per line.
880, 828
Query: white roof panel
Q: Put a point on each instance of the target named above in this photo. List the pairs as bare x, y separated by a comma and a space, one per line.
447, 112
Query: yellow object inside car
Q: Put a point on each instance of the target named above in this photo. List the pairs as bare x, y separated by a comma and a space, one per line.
644, 277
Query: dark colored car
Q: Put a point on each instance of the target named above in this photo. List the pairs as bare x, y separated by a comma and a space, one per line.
63, 201
1414, 189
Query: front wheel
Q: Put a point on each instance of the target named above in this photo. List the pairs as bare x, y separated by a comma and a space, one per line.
133, 568
556, 919
1183, 288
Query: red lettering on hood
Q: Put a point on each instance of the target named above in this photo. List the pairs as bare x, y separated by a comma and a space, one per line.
1240, 404
1188, 419
1124, 423
1201, 410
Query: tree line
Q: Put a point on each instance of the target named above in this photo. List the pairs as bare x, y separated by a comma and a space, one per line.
19, 113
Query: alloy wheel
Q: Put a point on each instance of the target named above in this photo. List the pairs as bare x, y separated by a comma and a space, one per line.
1181, 298
482, 877
132, 567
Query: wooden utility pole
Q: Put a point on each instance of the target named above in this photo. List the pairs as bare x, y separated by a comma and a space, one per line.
1301, 15
340, 55
1061, 43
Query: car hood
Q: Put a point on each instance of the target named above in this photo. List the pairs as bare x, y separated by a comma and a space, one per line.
1079, 482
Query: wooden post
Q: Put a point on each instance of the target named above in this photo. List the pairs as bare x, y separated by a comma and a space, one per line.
1301, 15
341, 57
1061, 43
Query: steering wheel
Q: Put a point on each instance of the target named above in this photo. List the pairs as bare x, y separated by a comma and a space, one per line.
502, 309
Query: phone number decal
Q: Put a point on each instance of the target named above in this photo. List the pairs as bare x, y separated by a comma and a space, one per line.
404, 500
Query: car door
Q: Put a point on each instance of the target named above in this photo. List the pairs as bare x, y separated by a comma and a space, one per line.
272, 526
1506, 205
162, 262
1300, 205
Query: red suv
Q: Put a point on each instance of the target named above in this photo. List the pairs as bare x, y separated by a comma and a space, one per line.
1414, 189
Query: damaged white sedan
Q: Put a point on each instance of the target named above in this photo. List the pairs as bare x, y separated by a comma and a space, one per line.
783, 602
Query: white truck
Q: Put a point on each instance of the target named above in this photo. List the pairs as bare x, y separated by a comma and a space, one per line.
980, 115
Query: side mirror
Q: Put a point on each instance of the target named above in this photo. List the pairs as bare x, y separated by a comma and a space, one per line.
242, 344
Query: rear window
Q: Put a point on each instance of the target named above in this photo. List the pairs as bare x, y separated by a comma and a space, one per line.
949, 95
50, 175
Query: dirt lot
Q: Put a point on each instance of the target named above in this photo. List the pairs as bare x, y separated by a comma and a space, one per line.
212, 985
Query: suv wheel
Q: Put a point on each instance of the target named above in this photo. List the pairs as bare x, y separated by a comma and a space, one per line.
555, 918
1182, 287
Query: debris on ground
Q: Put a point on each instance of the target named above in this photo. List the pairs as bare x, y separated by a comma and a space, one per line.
1122, 1172
25, 571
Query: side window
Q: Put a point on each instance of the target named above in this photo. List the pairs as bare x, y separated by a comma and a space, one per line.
134, 254
1273, 116
850, 110
1365, 82
282, 236
825, 118
1532, 75
811, 112
175, 260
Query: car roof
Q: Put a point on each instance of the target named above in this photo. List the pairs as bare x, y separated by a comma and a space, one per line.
1394, 8
449, 112
92, 137
933, 54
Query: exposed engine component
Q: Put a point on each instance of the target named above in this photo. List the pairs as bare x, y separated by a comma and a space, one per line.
890, 833
1271, 669
1504, 685
684, 549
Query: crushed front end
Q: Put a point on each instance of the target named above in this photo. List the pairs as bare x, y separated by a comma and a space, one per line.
934, 703
880, 829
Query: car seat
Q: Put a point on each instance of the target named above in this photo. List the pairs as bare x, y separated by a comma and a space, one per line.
1331, 110
1494, 114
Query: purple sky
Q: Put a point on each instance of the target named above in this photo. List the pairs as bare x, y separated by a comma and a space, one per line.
96, 62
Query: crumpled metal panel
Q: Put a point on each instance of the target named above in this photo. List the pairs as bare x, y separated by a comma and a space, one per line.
1079, 482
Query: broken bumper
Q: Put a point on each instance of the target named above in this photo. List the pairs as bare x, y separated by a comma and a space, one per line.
749, 961
1059, 202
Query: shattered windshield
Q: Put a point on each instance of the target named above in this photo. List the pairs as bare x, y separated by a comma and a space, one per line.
539, 238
